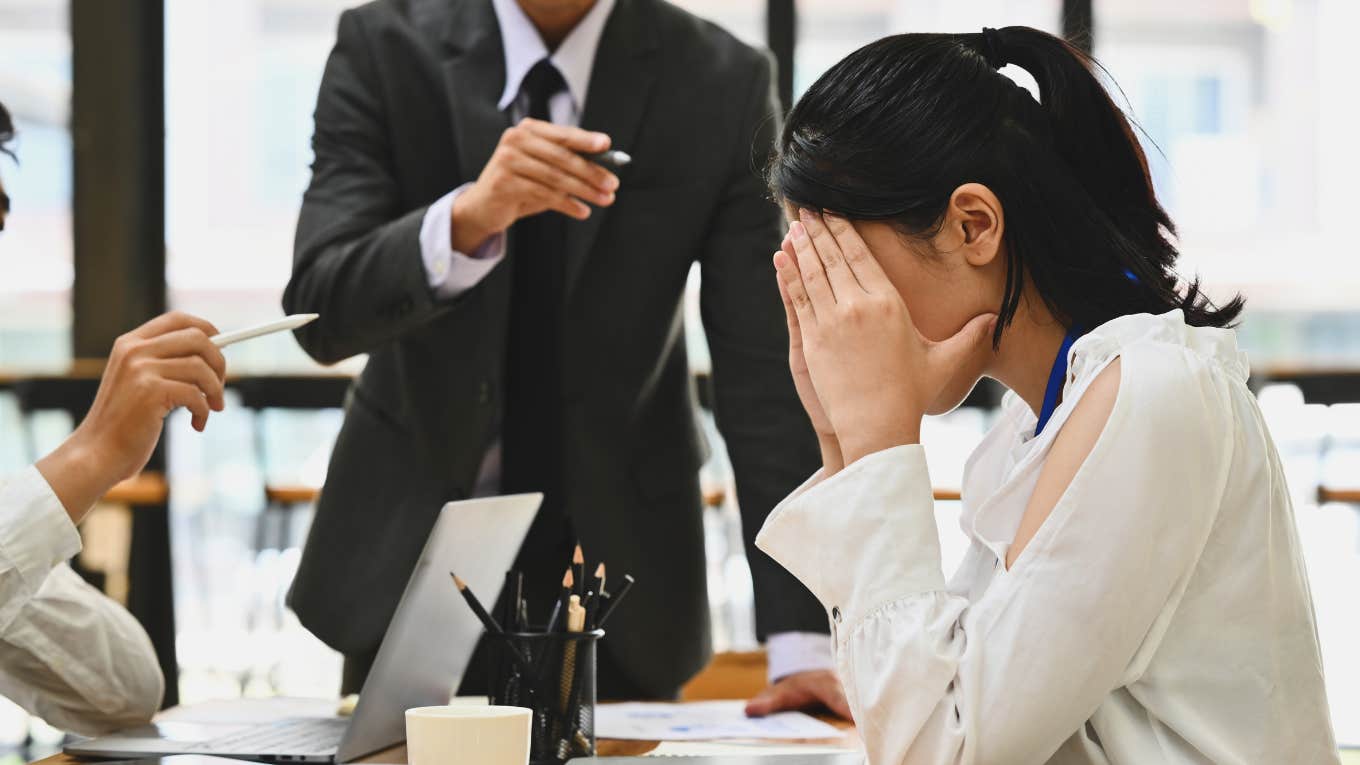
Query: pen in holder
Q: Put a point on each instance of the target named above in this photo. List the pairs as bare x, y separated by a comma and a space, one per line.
552, 674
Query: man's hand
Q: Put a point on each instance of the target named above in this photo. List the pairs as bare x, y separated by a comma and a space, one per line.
535, 167
162, 365
800, 691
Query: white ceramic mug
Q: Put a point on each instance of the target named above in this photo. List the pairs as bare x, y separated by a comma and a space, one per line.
468, 735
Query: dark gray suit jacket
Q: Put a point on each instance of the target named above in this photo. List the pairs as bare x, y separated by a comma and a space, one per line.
407, 111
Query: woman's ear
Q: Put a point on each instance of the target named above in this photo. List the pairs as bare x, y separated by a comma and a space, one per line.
976, 223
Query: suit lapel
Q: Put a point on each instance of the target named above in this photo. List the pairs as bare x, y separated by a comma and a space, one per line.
620, 84
474, 73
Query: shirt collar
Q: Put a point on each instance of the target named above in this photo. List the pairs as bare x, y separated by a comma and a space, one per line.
523, 46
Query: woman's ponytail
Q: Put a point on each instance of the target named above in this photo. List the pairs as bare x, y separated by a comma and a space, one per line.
1089, 131
892, 130
1096, 142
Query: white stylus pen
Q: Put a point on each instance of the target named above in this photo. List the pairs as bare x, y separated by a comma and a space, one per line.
286, 323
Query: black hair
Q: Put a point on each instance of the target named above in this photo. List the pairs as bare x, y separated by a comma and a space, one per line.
893, 129
6, 131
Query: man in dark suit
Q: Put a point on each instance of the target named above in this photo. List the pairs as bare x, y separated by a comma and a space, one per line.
523, 340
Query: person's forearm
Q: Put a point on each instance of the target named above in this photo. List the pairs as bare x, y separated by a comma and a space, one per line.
79, 474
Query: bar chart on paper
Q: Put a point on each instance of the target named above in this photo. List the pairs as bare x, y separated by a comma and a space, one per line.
704, 720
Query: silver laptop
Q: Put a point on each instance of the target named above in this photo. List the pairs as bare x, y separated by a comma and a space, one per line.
422, 657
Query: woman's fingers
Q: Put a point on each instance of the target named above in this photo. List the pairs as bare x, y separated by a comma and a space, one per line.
859, 261
824, 243
190, 341
174, 320
792, 282
795, 334
195, 371
183, 394
810, 269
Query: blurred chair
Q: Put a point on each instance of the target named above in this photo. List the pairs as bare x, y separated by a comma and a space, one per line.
298, 393
1330, 388
285, 502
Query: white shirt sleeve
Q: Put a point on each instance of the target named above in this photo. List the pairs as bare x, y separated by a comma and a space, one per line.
793, 652
67, 653
451, 273
934, 677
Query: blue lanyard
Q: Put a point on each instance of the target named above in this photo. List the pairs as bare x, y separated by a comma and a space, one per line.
1056, 377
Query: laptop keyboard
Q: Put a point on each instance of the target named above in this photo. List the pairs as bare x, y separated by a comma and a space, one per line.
305, 735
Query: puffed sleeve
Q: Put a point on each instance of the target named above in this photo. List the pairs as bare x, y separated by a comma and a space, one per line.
67, 653
933, 677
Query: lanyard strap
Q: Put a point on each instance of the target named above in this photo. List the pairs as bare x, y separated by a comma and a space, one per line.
1056, 378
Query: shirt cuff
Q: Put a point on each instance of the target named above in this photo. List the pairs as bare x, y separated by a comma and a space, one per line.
793, 652
448, 271
35, 532
862, 538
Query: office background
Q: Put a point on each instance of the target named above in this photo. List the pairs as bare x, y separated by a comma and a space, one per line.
187, 123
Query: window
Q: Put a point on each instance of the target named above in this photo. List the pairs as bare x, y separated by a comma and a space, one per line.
1252, 153
240, 86
35, 248
829, 30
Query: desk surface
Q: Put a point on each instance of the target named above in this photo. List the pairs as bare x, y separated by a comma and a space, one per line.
607, 748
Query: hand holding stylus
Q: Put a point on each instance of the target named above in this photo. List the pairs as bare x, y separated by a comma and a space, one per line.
167, 363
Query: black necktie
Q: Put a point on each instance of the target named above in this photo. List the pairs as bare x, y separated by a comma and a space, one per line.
532, 440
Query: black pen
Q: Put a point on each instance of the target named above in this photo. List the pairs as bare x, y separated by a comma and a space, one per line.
614, 599
511, 600
611, 158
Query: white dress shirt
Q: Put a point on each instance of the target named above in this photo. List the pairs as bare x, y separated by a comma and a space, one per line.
450, 273
67, 653
1161, 613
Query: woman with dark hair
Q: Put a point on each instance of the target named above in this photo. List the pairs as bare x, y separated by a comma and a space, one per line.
1134, 590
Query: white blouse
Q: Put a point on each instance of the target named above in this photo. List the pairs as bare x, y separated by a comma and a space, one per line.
1161, 613
67, 653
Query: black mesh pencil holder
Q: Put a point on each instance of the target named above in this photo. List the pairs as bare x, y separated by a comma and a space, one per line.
554, 675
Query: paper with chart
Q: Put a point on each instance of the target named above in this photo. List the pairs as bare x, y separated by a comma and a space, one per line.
750, 749
704, 720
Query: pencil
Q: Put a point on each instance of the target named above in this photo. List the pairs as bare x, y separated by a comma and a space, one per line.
567, 581
595, 599
599, 580
578, 569
490, 624
476, 606
576, 622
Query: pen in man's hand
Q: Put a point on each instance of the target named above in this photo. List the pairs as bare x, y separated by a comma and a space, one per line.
611, 158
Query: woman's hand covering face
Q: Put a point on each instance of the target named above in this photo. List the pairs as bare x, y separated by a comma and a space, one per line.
873, 373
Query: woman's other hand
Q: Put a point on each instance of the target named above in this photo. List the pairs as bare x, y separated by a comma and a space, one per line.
802, 380
167, 363
873, 372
